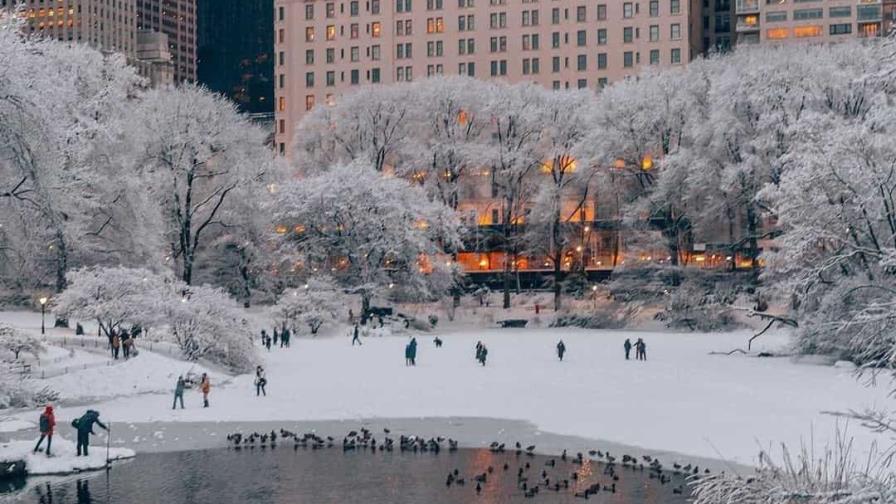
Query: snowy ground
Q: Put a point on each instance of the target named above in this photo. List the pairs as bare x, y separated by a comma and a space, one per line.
64, 459
682, 400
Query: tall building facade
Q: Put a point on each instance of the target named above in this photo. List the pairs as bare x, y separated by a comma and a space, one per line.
325, 48
107, 25
177, 20
235, 52
814, 21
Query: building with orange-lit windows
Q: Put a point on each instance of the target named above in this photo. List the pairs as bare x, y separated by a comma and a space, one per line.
811, 21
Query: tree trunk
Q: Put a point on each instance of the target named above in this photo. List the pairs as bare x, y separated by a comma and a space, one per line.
244, 275
558, 277
365, 308
61, 269
752, 226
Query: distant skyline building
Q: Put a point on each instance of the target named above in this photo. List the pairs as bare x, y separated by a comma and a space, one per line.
818, 21
107, 25
177, 20
326, 48
235, 51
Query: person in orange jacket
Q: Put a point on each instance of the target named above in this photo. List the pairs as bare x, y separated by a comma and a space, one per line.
47, 425
205, 385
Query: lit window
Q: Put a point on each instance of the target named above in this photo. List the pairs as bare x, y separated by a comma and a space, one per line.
282, 104
375, 29
331, 32
807, 31
309, 102
309, 34
776, 33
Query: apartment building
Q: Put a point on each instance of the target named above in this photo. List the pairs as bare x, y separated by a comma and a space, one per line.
107, 25
177, 20
326, 48
780, 21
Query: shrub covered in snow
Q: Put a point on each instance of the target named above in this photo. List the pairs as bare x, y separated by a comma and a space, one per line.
830, 478
15, 341
206, 323
317, 302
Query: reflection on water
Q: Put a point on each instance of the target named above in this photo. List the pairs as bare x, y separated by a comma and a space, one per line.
285, 475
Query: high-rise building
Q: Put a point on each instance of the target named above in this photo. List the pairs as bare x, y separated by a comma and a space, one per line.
107, 25
325, 48
717, 22
235, 51
177, 20
779, 21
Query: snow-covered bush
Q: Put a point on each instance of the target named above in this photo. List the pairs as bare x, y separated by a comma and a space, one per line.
319, 301
18, 390
206, 323
16, 341
699, 307
607, 315
114, 296
833, 477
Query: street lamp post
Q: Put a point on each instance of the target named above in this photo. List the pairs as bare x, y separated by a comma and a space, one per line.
43, 315
594, 296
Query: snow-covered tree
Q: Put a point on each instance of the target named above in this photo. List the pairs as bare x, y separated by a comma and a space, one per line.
515, 152
319, 301
368, 126
371, 231
448, 118
197, 154
554, 226
114, 296
16, 341
56, 121
206, 323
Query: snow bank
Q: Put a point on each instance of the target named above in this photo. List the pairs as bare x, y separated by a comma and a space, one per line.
13, 424
64, 459
146, 373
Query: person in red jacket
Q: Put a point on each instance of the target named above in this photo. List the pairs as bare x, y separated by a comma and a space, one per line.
47, 424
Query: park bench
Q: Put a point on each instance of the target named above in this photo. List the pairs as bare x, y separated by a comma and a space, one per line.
513, 323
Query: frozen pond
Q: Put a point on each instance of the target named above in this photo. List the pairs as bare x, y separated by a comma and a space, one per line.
287, 475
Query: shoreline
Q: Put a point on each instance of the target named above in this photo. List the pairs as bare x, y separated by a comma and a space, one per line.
470, 432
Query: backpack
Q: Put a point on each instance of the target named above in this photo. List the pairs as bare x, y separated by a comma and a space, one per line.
44, 422
75, 423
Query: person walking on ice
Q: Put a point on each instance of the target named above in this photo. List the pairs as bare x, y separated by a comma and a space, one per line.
355, 336
85, 429
205, 385
260, 381
47, 425
628, 348
561, 349
179, 392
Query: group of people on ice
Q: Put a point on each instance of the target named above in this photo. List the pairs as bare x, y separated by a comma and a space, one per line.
282, 338
481, 352
121, 341
205, 386
83, 425
640, 349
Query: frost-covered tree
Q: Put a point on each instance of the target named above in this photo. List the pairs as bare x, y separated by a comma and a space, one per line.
16, 341
57, 121
319, 301
448, 119
554, 226
206, 323
114, 296
515, 151
369, 126
197, 155
372, 232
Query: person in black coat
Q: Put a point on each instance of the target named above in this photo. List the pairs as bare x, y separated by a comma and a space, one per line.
412, 351
355, 337
85, 429
628, 348
561, 349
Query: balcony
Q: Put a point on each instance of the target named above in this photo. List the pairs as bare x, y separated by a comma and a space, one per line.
747, 6
868, 13
747, 24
